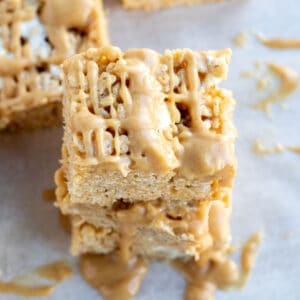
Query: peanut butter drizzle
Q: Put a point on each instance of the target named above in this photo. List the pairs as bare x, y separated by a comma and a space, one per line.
26, 291
143, 122
208, 224
58, 19
260, 148
215, 270
279, 43
57, 272
150, 118
114, 278
289, 83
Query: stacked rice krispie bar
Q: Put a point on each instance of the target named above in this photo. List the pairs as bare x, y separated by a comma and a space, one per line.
148, 151
35, 37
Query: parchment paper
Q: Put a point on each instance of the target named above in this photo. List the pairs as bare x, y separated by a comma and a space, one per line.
267, 188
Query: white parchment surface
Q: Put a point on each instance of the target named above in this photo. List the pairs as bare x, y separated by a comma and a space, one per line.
267, 188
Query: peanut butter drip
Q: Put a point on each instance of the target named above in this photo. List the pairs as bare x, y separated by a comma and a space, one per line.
279, 43
208, 224
289, 83
260, 148
114, 278
36, 36
215, 270
61, 16
141, 110
56, 272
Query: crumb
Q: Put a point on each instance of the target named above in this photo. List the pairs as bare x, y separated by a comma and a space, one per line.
241, 39
279, 43
260, 148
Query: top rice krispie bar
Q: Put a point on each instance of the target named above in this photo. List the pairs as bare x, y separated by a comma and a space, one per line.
141, 126
35, 37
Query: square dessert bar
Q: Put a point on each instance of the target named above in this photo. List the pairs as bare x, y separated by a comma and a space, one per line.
148, 143
140, 126
35, 37
150, 229
156, 4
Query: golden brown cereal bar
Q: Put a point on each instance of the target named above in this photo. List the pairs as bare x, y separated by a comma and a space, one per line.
35, 37
141, 126
148, 139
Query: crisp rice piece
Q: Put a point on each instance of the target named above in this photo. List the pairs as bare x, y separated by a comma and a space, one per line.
156, 4
35, 37
148, 149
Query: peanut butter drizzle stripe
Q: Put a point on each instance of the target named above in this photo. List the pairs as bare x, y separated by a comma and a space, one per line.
216, 270
289, 83
279, 43
57, 272
26, 291
260, 148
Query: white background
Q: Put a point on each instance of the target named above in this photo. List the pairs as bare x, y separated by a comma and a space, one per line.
267, 188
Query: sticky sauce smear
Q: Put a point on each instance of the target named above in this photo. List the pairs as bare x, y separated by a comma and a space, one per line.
113, 277
260, 148
215, 270
279, 43
57, 272
241, 39
289, 83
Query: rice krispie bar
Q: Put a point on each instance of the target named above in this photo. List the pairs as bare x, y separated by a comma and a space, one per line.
158, 237
141, 126
156, 4
35, 37
150, 133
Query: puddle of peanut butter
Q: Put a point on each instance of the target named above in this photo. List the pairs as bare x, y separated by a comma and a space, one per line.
289, 83
260, 148
215, 270
113, 277
279, 43
57, 272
